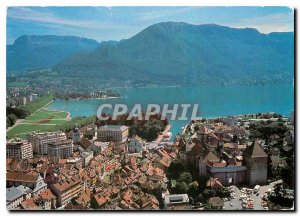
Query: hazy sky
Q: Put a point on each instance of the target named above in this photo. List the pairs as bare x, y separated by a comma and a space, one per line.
116, 23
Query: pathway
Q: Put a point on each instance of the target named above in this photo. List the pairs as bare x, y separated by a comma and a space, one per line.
161, 136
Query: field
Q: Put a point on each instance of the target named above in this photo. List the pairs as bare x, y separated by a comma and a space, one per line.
41, 120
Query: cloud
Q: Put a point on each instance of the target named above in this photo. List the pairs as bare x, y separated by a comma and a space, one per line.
281, 22
28, 14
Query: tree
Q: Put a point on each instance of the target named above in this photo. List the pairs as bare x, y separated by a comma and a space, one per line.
235, 138
196, 127
181, 187
175, 168
193, 189
185, 177
11, 120
89, 134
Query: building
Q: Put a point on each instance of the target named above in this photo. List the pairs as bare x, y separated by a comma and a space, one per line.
116, 133
176, 200
31, 180
67, 189
34, 97
62, 148
29, 204
41, 140
20, 149
87, 156
76, 134
47, 200
14, 197
227, 172
97, 146
84, 145
256, 160
136, 145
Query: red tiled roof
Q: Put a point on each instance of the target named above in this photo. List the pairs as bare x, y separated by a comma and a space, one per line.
14, 176
30, 205
46, 195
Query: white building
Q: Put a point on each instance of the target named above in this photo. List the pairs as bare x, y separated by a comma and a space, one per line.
87, 157
137, 145
172, 200
115, 133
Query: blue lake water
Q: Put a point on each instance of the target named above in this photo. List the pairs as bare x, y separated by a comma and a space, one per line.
214, 101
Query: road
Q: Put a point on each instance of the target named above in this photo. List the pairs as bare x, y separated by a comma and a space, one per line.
16, 123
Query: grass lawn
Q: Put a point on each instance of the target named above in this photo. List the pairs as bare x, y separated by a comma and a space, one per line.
41, 120
47, 114
22, 129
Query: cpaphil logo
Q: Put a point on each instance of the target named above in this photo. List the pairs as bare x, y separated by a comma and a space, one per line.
176, 111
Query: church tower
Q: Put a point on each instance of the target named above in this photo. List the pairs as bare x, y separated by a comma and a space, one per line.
76, 134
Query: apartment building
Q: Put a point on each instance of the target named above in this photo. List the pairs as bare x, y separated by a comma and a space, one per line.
41, 140
61, 148
67, 189
20, 149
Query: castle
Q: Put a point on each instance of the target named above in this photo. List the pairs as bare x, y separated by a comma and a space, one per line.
224, 151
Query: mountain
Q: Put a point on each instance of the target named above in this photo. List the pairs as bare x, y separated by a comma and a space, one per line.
33, 51
185, 54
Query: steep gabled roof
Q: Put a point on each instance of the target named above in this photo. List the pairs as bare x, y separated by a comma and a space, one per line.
210, 157
196, 150
256, 151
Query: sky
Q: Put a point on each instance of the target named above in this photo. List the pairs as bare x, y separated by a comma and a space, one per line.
116, 23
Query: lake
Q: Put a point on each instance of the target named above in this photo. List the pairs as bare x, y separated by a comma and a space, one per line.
214, 101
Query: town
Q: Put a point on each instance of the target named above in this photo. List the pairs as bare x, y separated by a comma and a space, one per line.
228, 163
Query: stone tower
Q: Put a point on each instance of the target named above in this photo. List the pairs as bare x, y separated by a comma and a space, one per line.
256, 160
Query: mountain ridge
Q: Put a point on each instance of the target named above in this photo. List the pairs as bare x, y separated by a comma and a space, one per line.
181, 53
44, 51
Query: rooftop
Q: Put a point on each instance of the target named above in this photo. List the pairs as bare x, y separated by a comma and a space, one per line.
176, 198
113, 128
15, 176
12, 194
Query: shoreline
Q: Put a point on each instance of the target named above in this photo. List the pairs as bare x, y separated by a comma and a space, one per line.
92, 98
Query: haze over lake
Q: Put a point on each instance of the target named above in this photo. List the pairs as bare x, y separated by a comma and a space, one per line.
214, 101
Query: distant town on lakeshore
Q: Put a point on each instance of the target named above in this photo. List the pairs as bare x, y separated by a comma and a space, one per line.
239, 156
